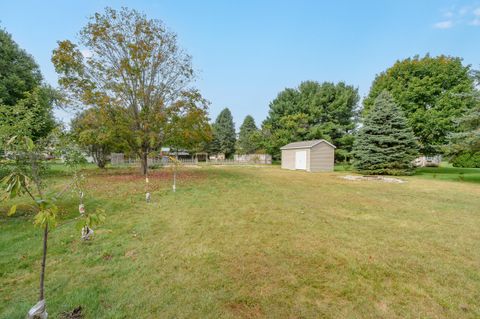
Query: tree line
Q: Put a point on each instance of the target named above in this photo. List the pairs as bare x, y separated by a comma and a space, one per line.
134, 92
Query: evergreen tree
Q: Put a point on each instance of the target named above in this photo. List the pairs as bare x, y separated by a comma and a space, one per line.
249, 136
312, 111
224, 136
464, 146
385, 144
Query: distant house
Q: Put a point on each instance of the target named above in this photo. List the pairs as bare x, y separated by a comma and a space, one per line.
217, 157
424, 161
311, 156
253, 158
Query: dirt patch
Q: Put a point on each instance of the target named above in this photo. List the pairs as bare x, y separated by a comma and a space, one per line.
132, 254
74, 314
244, 310
107, 256
373, 178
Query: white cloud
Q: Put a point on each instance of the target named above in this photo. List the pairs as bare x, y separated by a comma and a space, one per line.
448, 14
475, 22
447, 24
457, 16
464, 10
86, 53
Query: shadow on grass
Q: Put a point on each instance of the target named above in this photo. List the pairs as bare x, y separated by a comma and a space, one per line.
445, 172
450, 173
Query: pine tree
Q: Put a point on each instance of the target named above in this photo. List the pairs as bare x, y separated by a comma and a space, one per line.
464, 146
249, 136
385, 144
224, 136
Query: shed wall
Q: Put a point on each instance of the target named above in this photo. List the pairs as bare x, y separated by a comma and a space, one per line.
322, 157
288, 159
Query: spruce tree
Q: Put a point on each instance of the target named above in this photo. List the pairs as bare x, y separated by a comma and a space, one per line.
385, 144
224, 136
249, 136
464, 146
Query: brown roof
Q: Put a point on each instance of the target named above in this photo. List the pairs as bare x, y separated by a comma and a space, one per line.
305, 144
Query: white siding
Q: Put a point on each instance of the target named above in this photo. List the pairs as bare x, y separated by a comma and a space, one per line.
288, 159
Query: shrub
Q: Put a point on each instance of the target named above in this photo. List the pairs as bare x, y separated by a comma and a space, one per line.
467, 160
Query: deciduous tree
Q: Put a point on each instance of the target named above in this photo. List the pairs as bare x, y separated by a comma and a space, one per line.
19, 74
135, 72
26, 105
188, 127
431, 91
90, 132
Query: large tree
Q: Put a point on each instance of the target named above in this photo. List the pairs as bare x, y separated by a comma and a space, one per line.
135, 71
19, 74
312, 111
89, 132
431, 91
385, 144
224, 136
188, 126
249, 137
26, 105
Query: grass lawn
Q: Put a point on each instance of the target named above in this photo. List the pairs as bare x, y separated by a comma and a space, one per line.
252, 242
448, 172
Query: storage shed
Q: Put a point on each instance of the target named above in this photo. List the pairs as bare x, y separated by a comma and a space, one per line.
311, 156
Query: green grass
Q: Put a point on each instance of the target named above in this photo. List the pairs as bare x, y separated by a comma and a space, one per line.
445, 172
244, 242
448, 172
341, 167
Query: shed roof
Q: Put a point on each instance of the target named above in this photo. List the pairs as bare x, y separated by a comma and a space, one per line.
305, 144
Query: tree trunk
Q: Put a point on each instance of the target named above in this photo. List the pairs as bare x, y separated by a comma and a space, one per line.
99, 157
44, 260
175, 178
144, 161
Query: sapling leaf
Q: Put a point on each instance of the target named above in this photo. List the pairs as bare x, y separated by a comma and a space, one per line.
47, 216
12, 210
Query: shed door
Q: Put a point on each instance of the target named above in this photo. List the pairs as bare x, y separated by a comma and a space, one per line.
301, 160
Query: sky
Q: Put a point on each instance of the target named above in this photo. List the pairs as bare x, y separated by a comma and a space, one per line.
246, 52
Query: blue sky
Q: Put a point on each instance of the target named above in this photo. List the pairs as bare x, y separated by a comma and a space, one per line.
248, 51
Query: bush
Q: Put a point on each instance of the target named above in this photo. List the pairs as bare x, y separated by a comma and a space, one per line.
467, 160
